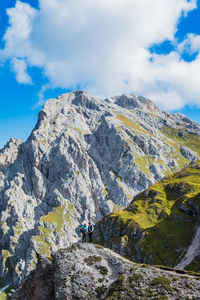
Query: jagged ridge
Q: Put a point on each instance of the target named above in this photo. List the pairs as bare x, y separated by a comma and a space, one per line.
85, 158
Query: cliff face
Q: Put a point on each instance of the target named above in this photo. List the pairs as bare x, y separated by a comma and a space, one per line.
85, 158
161, 225
86, 271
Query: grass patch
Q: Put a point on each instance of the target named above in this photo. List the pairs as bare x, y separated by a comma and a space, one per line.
161, 280
3, 296
116, 287
103, 270
128, 123
148, 292
42, 246
57, 216
98, 246
91, 260
143, 163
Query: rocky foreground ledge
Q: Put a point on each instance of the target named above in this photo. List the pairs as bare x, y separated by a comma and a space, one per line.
87, 271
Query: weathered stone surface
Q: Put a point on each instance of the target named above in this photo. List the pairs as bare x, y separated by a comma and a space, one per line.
86, 271
187, 153
85, 158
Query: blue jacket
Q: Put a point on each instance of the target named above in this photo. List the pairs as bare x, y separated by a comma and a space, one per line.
83, 229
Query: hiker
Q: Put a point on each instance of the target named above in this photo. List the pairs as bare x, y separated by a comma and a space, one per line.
83, 231
90, 231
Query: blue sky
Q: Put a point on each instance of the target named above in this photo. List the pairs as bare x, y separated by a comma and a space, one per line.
51, 47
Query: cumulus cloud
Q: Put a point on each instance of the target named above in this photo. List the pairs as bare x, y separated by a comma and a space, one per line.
20, 69
191, 44
103, 47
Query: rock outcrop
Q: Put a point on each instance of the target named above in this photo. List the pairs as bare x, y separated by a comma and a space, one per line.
84, 159
161, 225
86, 271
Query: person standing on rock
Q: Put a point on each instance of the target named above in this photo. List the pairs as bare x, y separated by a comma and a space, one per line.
90, 231
83, 231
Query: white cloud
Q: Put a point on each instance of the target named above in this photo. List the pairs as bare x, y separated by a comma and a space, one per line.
102, 46
191, 44
20, 69
18, 42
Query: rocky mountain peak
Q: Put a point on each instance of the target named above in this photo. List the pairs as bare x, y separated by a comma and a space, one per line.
9, 152
75, 104
11, 143
131, 101
85, 158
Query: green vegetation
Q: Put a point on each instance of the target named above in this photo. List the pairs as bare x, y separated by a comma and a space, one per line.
168, 171
18, 229
105, 191
57, 217
43, 141
163, 297
180, 137
143, 163
124, 188
128, 123
121, 184
116, 288
164, 215
148, 292
6, 260
135, 278
42, 246
99, 247
91, 260
116, 208
195, 265
161, 280
70, 210
103, 270
5, 254
3, 296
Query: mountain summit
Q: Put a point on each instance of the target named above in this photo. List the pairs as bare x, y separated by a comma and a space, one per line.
131, 101
85, 158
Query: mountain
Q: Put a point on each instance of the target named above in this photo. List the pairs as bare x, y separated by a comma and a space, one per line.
161, 225
85, 158
86, 271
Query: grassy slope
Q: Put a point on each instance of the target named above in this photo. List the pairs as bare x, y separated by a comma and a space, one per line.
165, 215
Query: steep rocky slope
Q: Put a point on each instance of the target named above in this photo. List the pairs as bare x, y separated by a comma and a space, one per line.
88, 272
85, 158
161, 225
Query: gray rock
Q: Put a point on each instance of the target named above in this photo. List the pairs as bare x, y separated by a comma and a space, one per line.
86, 271
187, 153
84, 159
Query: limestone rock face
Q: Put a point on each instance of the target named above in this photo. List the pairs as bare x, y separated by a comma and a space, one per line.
85, 158
187, 153
86, 271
